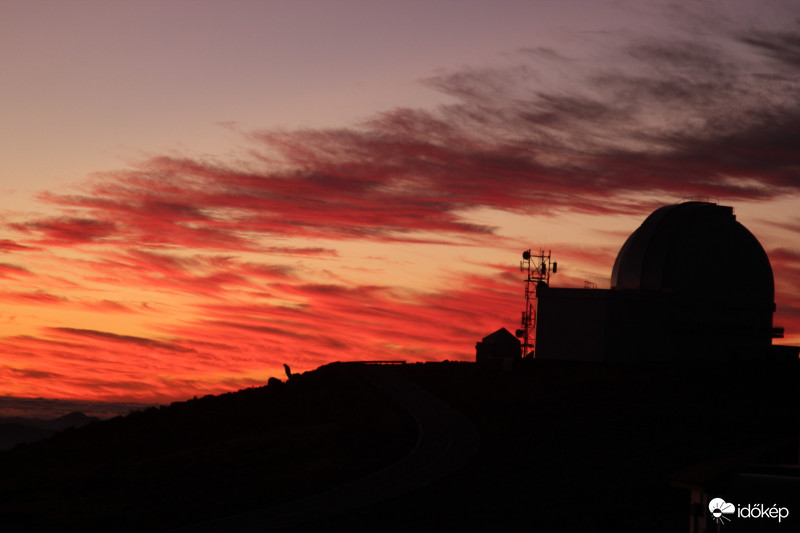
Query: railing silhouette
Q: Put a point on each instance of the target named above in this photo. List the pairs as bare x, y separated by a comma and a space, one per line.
377, 362
704, 199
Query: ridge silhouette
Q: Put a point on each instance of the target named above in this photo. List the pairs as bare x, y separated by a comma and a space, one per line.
552, 434
446, 441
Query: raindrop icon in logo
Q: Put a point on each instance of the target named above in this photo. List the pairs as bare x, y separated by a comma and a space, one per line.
719, 508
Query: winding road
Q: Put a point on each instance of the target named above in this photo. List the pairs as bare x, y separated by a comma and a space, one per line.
447, 440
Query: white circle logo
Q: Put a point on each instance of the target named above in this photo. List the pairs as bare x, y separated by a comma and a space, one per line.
719, 508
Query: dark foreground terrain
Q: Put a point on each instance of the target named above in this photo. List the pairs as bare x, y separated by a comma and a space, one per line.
555, 447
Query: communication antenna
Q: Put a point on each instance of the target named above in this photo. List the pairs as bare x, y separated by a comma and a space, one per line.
537, 270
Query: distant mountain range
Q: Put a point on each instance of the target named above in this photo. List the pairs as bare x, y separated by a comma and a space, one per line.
17, 430
50, 408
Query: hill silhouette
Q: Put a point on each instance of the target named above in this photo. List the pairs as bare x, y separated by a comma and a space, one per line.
16, 430
204, 458
563, 447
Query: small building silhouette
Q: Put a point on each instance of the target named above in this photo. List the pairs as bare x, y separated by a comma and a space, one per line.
499, 346
690, 283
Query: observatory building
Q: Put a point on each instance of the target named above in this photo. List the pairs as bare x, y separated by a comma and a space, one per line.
690, 283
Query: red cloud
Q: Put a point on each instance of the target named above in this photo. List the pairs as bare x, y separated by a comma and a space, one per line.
7, 245
31, 297
13, 271
55, 231
103, 335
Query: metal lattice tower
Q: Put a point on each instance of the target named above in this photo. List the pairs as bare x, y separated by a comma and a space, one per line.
537, 270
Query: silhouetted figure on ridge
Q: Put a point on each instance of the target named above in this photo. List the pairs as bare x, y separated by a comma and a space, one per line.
287, 370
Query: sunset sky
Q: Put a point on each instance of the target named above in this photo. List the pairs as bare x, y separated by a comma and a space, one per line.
196, 192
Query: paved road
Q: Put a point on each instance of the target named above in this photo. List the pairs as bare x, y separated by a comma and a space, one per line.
447, 440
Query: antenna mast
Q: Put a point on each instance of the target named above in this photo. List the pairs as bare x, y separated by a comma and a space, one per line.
537, 270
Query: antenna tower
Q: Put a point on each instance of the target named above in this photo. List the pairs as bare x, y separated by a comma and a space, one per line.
537, 270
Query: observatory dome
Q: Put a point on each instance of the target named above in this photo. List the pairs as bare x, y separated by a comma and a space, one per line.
698, 249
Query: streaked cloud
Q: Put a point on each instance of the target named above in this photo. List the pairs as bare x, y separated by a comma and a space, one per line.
55, 231
106, 336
